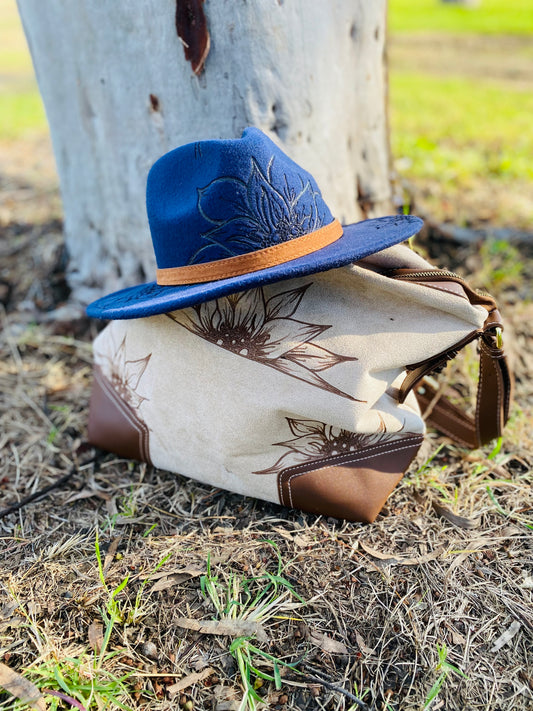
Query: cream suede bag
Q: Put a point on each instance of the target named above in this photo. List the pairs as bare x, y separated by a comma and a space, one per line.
278, 352
299, 392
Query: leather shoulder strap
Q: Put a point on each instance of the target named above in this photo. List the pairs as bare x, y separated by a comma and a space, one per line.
493, 399
495, 381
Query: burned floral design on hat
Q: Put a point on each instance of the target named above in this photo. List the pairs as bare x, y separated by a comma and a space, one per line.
262, 215
315, 441
125, 374
262, 329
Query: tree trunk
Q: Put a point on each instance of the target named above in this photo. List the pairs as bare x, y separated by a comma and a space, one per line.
119, 92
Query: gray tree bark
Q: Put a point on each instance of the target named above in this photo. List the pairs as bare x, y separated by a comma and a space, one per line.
119, 92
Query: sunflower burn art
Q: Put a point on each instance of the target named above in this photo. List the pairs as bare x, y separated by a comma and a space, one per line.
262, 215
125, 374
263, 330
315, 441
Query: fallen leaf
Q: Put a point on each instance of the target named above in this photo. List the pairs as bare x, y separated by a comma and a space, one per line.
170, 580
460, 521
361, 644
20, 687
225, 628
507, 636
301, 541
188, 571
457, 638
111, 551
327, 644
95, 634
189, 680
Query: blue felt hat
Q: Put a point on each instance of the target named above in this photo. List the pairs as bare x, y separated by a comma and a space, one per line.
229, 215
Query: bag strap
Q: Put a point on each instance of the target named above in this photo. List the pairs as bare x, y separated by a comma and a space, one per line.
495, 380
493, 398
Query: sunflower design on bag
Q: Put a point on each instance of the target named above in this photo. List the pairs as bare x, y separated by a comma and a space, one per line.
263, 330
125, 375
314, 441
261, 214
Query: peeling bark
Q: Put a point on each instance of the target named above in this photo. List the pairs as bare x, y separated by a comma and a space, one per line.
191, 26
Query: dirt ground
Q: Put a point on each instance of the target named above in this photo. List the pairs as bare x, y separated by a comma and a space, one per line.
437, 594
503, 58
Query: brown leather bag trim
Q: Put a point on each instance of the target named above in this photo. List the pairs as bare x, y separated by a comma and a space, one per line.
492, 406
417, 371
351, 486
495, 382
113, 424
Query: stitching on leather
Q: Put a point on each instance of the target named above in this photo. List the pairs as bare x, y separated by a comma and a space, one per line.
451, 415
329, 461
349, 458
361, 459
124, 409
138, 426
252, 261
454, 436
499, 386
451, 433
507, 390
478, 399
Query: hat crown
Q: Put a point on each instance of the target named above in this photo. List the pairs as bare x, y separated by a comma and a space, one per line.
216, 199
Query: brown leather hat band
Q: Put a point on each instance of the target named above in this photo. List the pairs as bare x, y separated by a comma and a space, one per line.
252, 261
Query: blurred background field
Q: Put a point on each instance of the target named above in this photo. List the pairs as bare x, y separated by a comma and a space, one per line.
461, 108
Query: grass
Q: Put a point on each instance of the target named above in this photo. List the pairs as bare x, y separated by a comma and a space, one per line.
445, 669
458, 129
258, 598
75, 681
83, 679
21, 112
21, 108
86, 680
488, 17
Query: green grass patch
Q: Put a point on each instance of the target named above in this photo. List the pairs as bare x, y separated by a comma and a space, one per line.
502, 17
21, 108
20, 113
455, 129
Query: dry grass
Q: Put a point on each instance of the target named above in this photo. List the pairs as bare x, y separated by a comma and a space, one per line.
448, 564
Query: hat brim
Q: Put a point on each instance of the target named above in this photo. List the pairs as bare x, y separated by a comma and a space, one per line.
358, 240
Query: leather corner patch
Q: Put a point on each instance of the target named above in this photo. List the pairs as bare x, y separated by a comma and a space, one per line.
354, 489
113, 424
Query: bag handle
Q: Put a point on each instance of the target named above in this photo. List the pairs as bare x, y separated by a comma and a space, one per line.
493, 397
495, 381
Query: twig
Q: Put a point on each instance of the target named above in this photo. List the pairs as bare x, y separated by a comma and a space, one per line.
333, 687
45, 490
